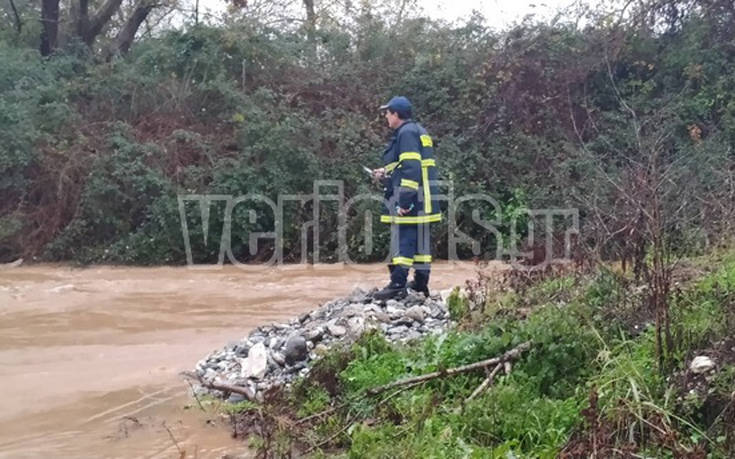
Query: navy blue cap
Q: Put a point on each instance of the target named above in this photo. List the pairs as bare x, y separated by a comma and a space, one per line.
398, 104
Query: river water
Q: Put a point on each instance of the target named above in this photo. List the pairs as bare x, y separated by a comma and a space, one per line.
90, 357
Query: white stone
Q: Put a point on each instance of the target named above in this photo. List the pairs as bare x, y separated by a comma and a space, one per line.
356, 325
256, 364
336, 330
701, 364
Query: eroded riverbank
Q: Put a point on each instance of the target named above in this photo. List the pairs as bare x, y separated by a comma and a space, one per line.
90, 357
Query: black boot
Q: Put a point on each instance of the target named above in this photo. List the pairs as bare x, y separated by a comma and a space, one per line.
397, 286
420, 282
390, 291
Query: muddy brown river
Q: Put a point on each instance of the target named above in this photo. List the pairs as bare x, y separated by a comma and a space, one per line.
90, 357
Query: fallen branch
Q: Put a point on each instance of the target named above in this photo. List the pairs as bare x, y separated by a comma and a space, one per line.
244, 391
509, 355
486, 382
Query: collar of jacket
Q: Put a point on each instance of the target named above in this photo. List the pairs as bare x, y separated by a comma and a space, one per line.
408, 121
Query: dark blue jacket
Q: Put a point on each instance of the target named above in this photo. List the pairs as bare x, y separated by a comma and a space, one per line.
409, 161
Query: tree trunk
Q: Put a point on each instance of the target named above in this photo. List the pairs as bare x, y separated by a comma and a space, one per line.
49, 26
88, 29
310, 20
310, 28
127, 33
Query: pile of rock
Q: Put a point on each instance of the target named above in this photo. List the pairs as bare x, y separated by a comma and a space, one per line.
272, 356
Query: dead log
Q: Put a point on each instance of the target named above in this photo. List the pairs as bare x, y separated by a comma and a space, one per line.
244, 391
509, 355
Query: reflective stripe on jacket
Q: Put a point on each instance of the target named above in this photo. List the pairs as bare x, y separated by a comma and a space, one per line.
409, 161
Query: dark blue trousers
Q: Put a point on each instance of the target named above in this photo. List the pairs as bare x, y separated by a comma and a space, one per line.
410, 248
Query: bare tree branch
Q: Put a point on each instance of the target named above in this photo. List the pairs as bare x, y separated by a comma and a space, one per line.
18, 23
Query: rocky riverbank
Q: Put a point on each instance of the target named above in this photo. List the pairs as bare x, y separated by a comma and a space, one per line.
272, 356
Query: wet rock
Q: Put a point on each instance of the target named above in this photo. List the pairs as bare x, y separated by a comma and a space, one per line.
314, 334
275, 343
356, 326
295, 350
353, 310
415, 313
336, 330
394, 312
398, 330
408, 322
413, 299
279, 358
241, 350
255, 365
272, 356
236, 398
701, 364
381, 316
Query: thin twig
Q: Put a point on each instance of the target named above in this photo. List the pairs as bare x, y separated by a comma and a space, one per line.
329, 440
196, 397
318, 415
173, 439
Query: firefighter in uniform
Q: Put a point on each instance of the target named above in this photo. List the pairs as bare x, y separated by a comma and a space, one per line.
409, 177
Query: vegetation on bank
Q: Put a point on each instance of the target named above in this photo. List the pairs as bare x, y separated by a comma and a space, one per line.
573, 113
590, 384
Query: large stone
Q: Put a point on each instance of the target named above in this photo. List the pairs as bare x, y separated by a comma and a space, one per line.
236, 398
353, 310
701, 364
413, 299
415, 313
295, 350
336, 330
256, 364
356, 326
314, 334
381, 316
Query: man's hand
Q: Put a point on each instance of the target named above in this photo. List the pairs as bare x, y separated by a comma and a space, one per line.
402, 212
378, 174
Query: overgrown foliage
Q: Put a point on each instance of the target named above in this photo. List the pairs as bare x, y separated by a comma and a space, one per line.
589, 386
529, 116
